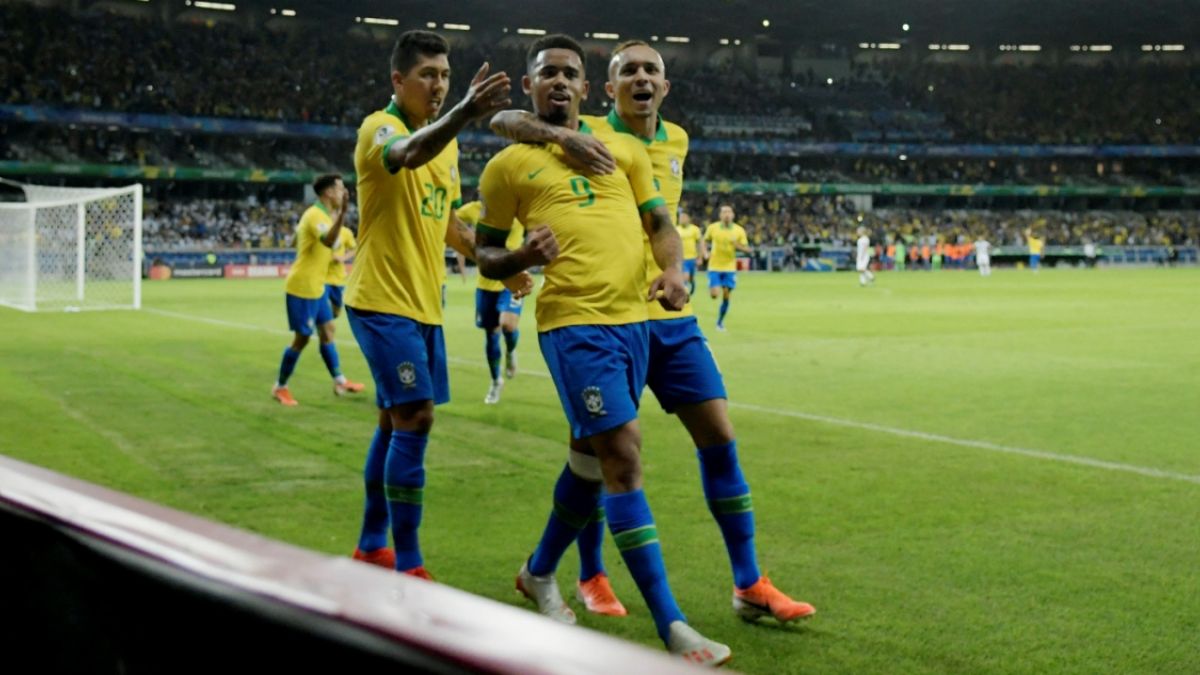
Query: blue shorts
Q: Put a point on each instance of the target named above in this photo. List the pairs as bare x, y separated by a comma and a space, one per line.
407, 358
682, 369
722, 279
1034, 260
489, 305
599, 372
305, 314
334, 293
689, 266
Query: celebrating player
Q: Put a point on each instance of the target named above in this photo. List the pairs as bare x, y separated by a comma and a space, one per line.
308, 307
591, 317
335, 280
682, 373
408, 188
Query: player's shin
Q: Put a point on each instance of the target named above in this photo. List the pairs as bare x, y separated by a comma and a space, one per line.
632, 525
575, 500
404, 486
374, 534
729, 501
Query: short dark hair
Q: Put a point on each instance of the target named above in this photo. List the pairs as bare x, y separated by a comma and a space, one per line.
324, 182
413, 44
554, 41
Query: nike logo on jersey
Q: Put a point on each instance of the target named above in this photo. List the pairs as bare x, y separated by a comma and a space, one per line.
535, 173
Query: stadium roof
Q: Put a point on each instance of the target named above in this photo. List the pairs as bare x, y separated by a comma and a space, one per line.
808, 21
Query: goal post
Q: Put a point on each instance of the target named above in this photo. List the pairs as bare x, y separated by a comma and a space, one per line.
70, 249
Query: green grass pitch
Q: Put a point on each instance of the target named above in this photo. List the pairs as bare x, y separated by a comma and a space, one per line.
964, 475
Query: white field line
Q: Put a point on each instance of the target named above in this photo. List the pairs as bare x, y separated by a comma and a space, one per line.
835, 421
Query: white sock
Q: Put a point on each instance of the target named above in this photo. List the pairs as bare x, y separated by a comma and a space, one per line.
340, 379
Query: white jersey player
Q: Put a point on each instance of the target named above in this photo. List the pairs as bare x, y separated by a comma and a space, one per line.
862, 258
983, 257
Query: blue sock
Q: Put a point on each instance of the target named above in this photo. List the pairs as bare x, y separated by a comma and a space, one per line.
633, 530
724, 309
290, 357
375, 513
330, 356
591, 543
692, 286
491, 347
729, 501
575, 500
510, 341
404, 485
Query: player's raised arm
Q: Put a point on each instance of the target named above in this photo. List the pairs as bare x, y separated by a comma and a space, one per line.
486, 96
584, 152
335, 232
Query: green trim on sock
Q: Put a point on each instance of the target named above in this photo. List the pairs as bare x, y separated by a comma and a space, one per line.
598, 515
405, 495
731, 505
572, 519
636, 538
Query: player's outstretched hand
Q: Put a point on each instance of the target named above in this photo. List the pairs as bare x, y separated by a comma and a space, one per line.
670, 289
540, 246
520, 285
488, 94
587, 154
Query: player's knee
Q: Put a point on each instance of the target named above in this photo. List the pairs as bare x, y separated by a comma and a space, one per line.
326, 331
707, 422
416, 418
299, 341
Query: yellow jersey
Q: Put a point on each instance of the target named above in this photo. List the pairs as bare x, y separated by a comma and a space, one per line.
1036, 245
306, 279
599, 276
723, 249
403, 214
337, 269
667, 153
469, 214
690, 235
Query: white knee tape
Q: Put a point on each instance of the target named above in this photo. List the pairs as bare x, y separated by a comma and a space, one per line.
586, 467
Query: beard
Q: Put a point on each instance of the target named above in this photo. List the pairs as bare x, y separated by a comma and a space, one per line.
557, 117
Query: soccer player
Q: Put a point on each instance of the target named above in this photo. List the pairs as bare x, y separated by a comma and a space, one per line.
727, 238
497, 312
591, 317
1036, 246
682, 372
308, 307
862, 258
335, 280
983, 256
689, 234
406, 158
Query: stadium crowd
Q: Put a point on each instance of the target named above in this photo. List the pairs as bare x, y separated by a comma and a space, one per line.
99, 61
771, 220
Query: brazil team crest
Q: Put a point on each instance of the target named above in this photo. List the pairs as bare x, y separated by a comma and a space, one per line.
408, 374
383, 133
594, 402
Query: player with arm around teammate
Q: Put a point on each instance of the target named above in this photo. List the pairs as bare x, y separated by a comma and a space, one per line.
591, 316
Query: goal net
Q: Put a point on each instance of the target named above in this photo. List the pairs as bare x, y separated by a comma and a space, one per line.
69, 249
